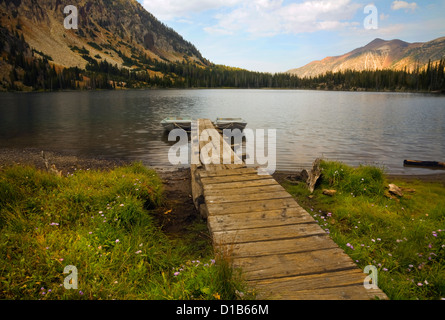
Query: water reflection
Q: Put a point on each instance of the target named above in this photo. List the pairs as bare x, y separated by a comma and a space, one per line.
376, 128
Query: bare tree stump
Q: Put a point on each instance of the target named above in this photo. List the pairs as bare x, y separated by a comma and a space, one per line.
45, 160
314, 175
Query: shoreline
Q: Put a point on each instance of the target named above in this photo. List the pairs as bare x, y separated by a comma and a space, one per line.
281, 176
68, 162
438, 177
360, 90
64, 161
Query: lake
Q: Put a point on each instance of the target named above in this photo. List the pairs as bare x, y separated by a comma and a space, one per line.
353, 127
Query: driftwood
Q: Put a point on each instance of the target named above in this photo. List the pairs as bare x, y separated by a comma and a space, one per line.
429, 164
395, 190
314, 175
330, 193
51, 169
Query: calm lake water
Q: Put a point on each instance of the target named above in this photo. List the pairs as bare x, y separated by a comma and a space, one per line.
356, 128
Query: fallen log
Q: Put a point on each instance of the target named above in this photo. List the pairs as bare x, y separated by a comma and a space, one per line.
427, 164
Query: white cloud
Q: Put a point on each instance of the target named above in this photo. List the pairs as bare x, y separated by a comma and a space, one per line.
398, 5
260, 17
384, 16
172, 9
185, 21
271, 17
217, 30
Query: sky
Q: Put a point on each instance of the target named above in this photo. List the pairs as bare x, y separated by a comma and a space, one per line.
279, 35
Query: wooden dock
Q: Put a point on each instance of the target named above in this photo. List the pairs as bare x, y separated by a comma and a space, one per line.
283, 253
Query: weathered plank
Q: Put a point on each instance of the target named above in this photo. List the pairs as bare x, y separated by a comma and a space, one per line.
251, 220
234, 166
238, 185
293, 264
246, 190
260, 196
301, 286
352, 292
267, 233
251, 206
228, 172
274, 247
224, 179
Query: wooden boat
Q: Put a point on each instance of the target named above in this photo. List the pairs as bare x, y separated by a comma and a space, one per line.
230, 123
172, 123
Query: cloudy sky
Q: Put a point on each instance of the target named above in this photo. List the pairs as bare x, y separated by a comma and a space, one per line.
278, 35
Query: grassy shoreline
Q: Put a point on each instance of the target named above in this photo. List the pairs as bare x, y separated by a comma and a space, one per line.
45, 218
105, 223
404, 237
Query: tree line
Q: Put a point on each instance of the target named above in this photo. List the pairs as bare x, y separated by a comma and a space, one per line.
36, 70
430, 78
190, 75
41, 75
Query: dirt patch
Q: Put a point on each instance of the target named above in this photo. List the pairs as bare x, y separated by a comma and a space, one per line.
64, 162
282, 176
179, 210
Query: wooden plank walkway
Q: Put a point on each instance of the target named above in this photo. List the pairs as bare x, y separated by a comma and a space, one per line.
282, 251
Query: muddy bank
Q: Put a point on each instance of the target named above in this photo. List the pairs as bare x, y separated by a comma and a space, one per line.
437, 177
181, 212
66, 163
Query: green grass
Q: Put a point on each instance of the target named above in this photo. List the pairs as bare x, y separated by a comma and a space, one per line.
404, 238
103, 223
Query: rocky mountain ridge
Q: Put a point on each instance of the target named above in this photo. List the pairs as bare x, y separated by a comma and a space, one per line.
119, 31
378, 55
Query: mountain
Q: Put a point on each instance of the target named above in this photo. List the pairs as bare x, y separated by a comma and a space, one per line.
119, 45
378, 55
120, 32
105, 27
